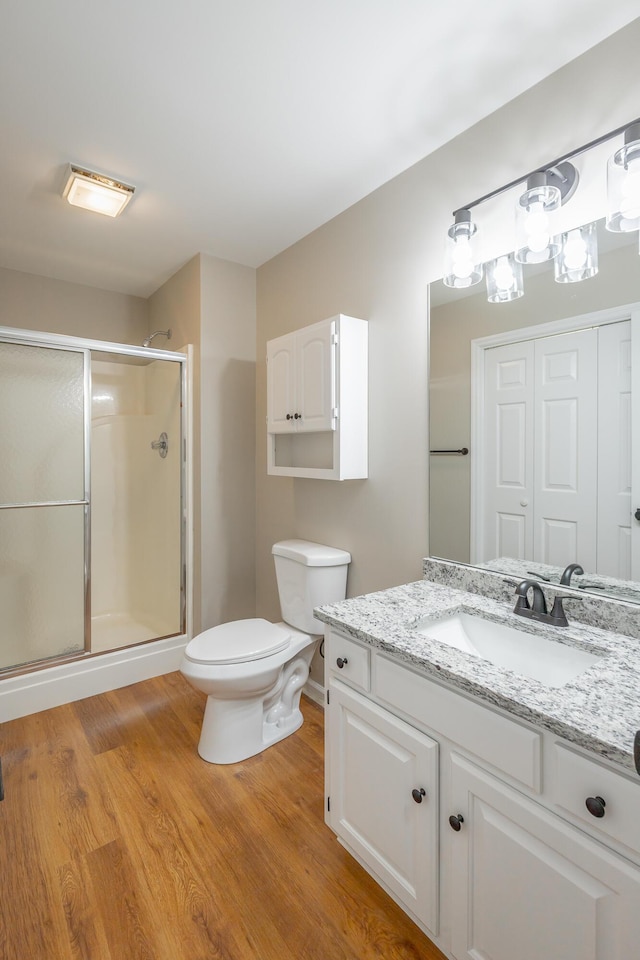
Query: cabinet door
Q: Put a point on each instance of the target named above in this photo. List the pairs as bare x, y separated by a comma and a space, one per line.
315, 372
281, 402
527, 886
376, 763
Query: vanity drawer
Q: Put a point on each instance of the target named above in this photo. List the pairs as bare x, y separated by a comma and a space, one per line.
349, 660
578, 778
504, 743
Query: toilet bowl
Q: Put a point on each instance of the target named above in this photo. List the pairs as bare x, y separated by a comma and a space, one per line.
253, 671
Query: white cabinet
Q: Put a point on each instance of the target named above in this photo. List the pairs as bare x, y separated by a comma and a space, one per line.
301, 380
317, 399
385, 801
525, 885
503, 859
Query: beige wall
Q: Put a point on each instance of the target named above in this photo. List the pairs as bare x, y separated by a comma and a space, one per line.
228, 392
210, 303
56, 306
375, 261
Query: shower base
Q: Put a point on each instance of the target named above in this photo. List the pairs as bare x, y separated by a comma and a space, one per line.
109, 631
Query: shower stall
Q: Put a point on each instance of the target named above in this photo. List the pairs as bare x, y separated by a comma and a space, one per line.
92, 499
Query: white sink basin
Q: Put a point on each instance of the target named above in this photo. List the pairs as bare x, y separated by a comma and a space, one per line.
546, 661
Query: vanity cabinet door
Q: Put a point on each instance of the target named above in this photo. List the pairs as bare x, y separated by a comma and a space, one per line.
384, 798
526, 885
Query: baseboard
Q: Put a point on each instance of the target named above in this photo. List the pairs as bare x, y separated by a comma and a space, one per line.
53, 686
314, 690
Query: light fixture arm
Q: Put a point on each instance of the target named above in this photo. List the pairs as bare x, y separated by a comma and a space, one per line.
551, 169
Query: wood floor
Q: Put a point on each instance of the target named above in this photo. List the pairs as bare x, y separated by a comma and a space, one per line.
120, 843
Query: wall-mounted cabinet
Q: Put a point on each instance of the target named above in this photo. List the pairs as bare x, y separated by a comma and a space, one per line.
317, 401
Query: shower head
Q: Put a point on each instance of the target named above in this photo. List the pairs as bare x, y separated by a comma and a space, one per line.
158, 333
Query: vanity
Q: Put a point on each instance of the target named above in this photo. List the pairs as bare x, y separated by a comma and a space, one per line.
500, 809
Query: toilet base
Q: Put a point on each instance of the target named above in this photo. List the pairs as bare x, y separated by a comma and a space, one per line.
234, 730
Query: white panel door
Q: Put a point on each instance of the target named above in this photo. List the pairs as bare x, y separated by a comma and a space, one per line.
614, 452
518, 873
507, 504
281, 398
376, 764
315, 366
566, 449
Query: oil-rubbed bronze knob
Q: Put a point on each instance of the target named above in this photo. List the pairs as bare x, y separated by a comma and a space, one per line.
595, 806
289, 417
297, 416
342, 662
456, 822
418, 794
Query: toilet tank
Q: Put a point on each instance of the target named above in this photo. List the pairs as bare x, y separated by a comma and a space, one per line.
309, 575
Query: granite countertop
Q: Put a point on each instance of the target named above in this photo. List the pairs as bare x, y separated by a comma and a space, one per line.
599, 710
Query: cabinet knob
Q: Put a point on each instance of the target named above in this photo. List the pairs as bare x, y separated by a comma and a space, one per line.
297, 416
342, 662
456, 822
418, 794
595, 806
289, 417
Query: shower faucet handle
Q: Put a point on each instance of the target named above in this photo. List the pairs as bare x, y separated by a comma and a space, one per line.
162, 445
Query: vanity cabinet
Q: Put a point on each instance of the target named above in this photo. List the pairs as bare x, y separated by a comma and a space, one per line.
385, 801
525, 885
317, 400
508, 861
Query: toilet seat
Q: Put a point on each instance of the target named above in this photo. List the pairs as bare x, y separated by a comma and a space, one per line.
237, 642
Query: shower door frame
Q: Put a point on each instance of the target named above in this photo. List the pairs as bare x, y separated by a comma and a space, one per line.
34, 338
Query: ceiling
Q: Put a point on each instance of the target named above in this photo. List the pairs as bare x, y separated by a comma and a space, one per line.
244, 124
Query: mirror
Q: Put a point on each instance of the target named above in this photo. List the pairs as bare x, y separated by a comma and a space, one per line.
462, 513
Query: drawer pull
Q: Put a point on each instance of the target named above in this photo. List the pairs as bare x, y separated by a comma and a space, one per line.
342, 662
418, 794
595, 806
456, 822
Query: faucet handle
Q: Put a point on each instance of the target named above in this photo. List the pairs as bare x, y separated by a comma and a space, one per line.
557, 617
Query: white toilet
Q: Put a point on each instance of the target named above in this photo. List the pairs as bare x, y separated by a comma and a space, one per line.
253, 671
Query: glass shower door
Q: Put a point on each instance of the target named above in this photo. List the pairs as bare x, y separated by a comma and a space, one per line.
43, 502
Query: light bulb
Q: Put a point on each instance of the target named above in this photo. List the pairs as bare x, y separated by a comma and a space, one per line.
462, 267
574, 251
461, 258
535, 211
503, 274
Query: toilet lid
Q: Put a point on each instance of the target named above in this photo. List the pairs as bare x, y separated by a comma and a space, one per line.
237, 642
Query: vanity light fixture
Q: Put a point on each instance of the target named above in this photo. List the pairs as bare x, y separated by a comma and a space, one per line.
578, 257
96, 192
537, 239
462, 266
504, 279
623, 184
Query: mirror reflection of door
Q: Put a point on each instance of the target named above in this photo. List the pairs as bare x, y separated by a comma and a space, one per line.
553, 482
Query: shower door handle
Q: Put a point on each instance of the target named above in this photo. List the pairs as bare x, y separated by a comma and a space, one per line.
162, 445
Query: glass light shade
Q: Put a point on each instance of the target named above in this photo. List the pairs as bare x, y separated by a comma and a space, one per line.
623, 184
578, 257
461, 267
92, 191
504, 279
536, 241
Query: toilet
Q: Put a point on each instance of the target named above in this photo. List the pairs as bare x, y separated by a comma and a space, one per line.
253, 671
